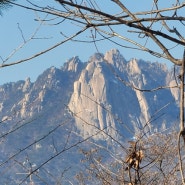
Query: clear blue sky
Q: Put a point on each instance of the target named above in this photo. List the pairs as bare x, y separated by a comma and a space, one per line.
16, 19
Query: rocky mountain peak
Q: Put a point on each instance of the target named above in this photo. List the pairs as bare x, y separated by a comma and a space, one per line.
72, 64
115, 58
133, 67
98, 87
97, 57
94, 92
26, 85
98, 98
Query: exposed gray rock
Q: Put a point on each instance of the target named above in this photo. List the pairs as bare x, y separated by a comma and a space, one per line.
101, 93
102, 96
107, 92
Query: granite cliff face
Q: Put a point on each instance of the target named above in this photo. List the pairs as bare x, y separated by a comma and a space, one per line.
98, 98
102, 93
106, 97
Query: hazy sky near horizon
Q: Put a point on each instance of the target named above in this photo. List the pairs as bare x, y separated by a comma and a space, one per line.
17, 23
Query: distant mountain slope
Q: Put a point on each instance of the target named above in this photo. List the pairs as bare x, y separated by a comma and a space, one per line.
100, 91
104, 96
100, 95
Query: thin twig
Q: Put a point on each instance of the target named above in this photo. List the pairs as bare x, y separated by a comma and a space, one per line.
43, 51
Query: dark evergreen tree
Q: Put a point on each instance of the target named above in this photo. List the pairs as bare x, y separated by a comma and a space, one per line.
4, 4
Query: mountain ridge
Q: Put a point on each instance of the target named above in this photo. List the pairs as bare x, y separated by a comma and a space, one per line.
96, 79
95, 101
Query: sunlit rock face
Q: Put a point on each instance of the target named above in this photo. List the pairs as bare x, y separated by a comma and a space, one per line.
107, 100
106, 95
110, 95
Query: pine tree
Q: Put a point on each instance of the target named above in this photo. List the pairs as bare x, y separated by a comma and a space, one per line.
4, 4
